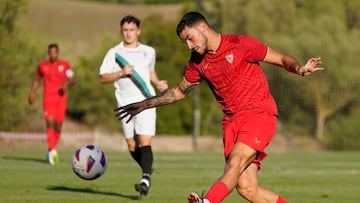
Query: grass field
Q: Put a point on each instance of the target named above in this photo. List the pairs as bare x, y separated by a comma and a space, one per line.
299, 177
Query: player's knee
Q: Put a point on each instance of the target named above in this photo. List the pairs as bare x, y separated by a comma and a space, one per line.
144, 140
50, 123
131, 148
131, 145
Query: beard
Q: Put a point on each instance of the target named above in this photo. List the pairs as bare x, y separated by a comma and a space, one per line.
202, 49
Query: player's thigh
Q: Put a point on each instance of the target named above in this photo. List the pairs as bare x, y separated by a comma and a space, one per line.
145, 122
49, 109
128, 128
60, 111
240, 156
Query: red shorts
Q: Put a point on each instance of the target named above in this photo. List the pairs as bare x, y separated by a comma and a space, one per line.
55, 108
253, 129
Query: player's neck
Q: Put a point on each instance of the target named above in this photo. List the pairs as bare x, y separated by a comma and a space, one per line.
131, 45
214, 41
53, 60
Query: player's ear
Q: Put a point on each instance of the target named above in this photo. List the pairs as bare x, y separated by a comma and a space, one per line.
138, 32
203, 27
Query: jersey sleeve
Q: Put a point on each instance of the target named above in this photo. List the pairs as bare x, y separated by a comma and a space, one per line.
69, 73
152, 60
109, 64
39, 72
254, 50
191, 73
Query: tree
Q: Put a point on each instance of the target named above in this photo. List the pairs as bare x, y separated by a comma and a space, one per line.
17, 54
302, 29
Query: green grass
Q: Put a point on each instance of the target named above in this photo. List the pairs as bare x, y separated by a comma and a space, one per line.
299, 177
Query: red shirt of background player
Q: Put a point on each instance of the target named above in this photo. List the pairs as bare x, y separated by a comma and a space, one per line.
234, 75
54, 76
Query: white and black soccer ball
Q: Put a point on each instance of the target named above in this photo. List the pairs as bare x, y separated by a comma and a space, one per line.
89, 162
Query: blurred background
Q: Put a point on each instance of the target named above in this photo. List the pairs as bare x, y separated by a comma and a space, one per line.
319, 112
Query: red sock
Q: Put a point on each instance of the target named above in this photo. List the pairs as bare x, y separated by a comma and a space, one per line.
51, 138
217, 192
281, 200
57, 137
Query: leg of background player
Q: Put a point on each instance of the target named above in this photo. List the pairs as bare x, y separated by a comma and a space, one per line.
134, 150
51, 139
146, 163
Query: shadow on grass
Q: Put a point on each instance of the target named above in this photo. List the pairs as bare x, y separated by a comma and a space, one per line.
18, 158
91, 191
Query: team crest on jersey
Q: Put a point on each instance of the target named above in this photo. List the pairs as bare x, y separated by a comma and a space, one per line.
61, 68
230, 58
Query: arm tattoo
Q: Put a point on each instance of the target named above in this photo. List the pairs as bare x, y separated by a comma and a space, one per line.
186, 88
170, 95
166, 97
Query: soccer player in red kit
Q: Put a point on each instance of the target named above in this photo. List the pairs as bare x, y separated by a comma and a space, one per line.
57, 75
230, 65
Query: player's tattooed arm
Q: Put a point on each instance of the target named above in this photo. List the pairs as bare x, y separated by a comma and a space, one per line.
168, 96
185, 87
171, 95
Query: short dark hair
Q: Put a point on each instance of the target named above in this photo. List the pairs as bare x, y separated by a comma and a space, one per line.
130, 19
53, 45
190, 19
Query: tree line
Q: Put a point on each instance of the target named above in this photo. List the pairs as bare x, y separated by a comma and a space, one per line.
324, 105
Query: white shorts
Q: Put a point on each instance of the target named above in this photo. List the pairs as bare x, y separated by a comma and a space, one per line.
143, 123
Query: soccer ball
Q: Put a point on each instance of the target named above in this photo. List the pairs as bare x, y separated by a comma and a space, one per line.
89, 162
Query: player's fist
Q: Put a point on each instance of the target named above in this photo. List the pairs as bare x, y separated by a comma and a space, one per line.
62, 89
31, 98
162, 85
127, 70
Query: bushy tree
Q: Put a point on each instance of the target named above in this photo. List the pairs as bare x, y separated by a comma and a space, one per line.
91, 102
18, 58
306, 29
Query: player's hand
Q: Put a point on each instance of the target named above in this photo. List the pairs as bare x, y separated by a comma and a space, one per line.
127, 70
310, 66
162, 85
31, 98
129, 110
62, 89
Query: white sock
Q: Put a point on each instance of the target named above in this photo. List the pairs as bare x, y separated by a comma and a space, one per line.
147, 182
206, 201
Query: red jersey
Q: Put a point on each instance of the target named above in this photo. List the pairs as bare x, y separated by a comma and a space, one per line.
54, 75
234, 75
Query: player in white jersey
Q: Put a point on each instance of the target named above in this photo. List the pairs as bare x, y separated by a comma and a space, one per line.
130, 65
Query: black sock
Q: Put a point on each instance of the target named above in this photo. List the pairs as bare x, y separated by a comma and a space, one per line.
136, 155
146, 161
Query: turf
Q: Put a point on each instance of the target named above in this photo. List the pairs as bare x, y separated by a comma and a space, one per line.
299, 177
